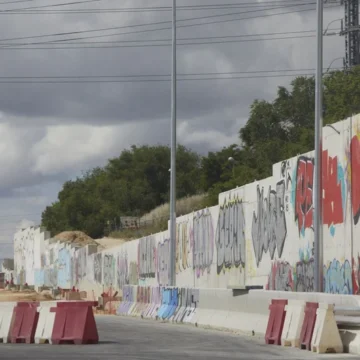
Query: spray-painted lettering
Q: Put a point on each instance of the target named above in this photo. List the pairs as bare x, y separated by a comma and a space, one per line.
203, 248
183, 245
147, 257
355, 177
332, 193
230, 235
338, 278
280, 278
304, 276
163, 266
109, 270
122, 269
98, 267
269, 225
304, 193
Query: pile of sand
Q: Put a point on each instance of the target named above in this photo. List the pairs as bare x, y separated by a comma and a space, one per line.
75, 237
108, 243
25, 295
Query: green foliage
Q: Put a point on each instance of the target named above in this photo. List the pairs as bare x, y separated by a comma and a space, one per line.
138, 180
130, 185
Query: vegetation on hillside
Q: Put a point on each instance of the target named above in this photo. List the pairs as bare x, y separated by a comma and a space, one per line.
138, 180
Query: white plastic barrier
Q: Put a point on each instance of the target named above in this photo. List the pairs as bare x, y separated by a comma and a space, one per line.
295, 314
45, 323
326, 336
6, 315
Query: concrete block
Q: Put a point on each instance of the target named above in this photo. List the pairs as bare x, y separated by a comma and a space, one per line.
326, 337
6, 315
293, 323
45, 325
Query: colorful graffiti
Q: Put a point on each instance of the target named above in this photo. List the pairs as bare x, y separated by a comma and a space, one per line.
304, 193
109, 270
304, 276
147, 257
98, 268
203, 248
163, 264
269, 225
280, 277
183, 245
355, 177
122, 270
64, 274
334, 192
133, 273
338, 278
230, 235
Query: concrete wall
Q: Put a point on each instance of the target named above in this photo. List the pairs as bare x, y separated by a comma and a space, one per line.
259, 235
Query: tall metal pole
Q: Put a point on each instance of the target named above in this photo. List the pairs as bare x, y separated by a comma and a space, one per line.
318, 234
173, 155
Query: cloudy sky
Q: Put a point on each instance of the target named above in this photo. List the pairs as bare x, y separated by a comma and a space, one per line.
52, 131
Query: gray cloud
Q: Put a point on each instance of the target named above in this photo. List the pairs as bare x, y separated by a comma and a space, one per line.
51, 132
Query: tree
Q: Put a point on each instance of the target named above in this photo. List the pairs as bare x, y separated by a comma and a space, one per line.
129, 185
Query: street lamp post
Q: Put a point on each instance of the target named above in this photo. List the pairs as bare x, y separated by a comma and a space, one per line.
318, 152
173, 154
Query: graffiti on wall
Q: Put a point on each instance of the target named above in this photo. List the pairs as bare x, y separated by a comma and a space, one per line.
304, 193
203, 247
133, 273
122, 269
354, 177
163, 265
98, 268
64, 273
147, 257
304, 276
230, 235
183, 245
269, 225
333, 191
333, 183
109, 269
79, 265
280, 277
338, 278
284, 277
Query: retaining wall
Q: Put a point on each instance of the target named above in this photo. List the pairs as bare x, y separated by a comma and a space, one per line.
259, 234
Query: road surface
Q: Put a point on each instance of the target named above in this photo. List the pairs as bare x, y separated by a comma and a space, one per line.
125, 338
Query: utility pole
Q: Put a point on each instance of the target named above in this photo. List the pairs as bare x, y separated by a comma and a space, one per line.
318, 234
173, 154
351, 31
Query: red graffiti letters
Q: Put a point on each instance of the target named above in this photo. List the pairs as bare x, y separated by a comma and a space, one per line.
332, 195
304, 191
355, 178
332, 199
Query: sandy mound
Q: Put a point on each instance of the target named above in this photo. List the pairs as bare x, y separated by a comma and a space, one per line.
108, 243
75, 237
23, 296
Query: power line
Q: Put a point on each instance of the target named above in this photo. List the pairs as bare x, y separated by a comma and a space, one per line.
14, 2
147, 30
169, 39
153, 9
48, 47
153, 75
148, 80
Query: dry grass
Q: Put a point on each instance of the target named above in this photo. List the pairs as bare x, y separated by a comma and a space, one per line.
157, 219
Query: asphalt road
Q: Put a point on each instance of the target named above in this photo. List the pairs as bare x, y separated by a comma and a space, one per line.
131, 339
